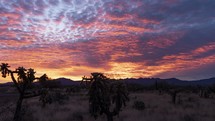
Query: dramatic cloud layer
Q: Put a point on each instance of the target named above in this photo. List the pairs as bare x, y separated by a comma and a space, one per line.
128, 38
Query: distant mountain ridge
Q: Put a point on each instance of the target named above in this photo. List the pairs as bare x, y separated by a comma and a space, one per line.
171, 81
141, 81
66, 82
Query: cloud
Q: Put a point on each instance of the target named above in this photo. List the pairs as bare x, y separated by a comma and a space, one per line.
133, 38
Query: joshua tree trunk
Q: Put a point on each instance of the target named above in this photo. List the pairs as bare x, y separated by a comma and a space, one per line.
17, 115
156, 85
174, 97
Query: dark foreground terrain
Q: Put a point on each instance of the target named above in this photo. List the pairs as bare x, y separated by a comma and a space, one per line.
144, 105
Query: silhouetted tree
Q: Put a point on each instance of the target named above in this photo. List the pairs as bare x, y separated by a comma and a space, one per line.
106, 97
173, 93
156, 85
23, 83
139, 105
212, 88
85, 82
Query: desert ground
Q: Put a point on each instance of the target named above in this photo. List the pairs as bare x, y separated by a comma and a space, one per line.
157, 107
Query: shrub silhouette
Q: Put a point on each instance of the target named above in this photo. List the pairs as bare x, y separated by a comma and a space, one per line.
23, 83
48, 97
106, 96
139, 105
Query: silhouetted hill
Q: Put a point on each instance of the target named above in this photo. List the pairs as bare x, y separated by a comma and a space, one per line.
206, 82
141, 81
66, 82
6, 84
171, 81
60, 81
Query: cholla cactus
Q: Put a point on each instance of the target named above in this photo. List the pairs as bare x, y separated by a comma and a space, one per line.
30, 75
43, 80
25, 77
4, 70
21, 72
119, 96
104, 95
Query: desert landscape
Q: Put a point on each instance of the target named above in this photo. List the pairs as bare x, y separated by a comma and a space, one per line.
145, 104
107, 60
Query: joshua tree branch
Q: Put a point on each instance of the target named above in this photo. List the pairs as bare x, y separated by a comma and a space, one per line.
25, 85
14, 81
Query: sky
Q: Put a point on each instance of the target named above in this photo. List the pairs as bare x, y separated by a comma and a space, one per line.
121, 38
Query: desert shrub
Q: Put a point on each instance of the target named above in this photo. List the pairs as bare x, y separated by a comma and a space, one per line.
48, 97
77, 116
191, 99
188, 118
139, 105
136, 88
45, 98
73, 89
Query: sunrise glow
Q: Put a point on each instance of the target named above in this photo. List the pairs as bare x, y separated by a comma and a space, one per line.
130, 38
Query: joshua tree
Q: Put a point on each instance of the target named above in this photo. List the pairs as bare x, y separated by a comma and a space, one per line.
106, 97
24, 80
85, 82
156, 85
174, 93
212, 88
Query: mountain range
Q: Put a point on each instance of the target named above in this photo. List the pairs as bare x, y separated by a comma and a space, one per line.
141, 81
171, 81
